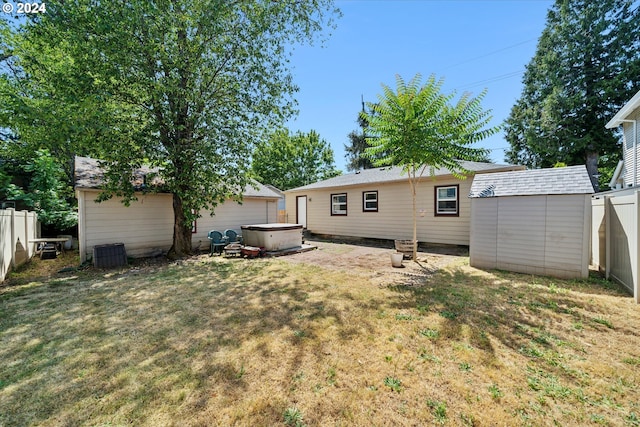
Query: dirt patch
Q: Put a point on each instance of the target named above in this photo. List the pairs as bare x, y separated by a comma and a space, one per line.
374, 262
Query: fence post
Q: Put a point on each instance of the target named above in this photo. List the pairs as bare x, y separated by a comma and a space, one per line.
12, 241
27, 246
635, 259
607, 237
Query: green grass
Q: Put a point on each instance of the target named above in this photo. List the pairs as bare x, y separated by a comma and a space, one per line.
214, 341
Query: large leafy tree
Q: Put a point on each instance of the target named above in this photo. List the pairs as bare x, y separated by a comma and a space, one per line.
288, 161
186, 86
420, 129
586, 66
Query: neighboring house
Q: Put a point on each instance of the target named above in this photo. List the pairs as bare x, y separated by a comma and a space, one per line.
616, 213
533, 221
627, 174
377, 203
146, 226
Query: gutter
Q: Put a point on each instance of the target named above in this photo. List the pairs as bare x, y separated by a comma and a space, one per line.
616, 175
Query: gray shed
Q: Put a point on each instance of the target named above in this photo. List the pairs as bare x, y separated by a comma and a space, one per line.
533, 221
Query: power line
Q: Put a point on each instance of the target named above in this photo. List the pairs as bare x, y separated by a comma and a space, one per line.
491, 79
489, 54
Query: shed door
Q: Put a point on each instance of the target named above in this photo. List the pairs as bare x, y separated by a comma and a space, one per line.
301, 211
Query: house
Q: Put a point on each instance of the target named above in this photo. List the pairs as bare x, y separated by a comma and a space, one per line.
146, 226
532, 221
616, 213
627, 173
377, 203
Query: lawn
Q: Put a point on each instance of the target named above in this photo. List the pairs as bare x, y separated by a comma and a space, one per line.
215, 341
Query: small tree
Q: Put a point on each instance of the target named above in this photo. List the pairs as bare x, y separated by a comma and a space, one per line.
418, 128
47, 191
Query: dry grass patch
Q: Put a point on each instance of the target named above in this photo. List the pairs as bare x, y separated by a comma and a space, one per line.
216, 341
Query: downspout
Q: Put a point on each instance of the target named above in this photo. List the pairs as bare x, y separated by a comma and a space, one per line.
635, 149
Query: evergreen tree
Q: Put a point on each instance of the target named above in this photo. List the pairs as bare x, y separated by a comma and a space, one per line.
356, 159
586, 66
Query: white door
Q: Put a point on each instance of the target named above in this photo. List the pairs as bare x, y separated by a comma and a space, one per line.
301, 211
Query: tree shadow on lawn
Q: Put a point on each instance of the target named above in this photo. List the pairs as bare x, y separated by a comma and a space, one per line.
128, 347
516, 309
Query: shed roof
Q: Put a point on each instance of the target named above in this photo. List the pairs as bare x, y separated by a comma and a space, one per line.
394, 173
568, 180
88, 174
624, 112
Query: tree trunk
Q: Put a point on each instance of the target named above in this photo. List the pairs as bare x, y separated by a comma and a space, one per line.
181, 231
414, 183
592, 169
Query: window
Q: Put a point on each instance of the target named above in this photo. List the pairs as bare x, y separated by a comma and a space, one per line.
339, 204
447, 201
370, 201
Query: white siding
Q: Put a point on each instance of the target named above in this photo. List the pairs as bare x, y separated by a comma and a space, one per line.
232, 215
393, 220
146, 226
629, 150
546, 235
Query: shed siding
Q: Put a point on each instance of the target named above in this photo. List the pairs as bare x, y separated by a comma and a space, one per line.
393, 220
146, 226
521, 223
566, 242
484, 222
543, 234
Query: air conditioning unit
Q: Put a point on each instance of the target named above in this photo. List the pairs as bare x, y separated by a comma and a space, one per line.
107, 256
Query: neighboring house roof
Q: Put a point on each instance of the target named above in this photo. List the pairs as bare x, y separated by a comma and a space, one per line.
393, 174
568, 180
90, 175
624, 112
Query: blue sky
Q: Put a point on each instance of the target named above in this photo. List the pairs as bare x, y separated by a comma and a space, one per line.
472, 44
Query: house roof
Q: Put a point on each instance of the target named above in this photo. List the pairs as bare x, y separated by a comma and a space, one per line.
88, 174
394, 173
568, 180
624, 112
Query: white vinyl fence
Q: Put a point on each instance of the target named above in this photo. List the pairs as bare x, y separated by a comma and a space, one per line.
615, 238
16, 229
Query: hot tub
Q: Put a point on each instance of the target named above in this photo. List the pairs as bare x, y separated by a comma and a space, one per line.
272, 237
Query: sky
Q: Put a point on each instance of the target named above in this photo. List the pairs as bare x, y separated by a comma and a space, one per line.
471, 44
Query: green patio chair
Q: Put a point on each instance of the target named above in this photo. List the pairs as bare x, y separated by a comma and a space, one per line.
218, 242
233, 236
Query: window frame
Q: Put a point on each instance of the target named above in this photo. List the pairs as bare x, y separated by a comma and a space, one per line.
437, 199
346, 199
364, 201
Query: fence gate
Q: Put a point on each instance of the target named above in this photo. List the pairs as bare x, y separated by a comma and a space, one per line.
618, 216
